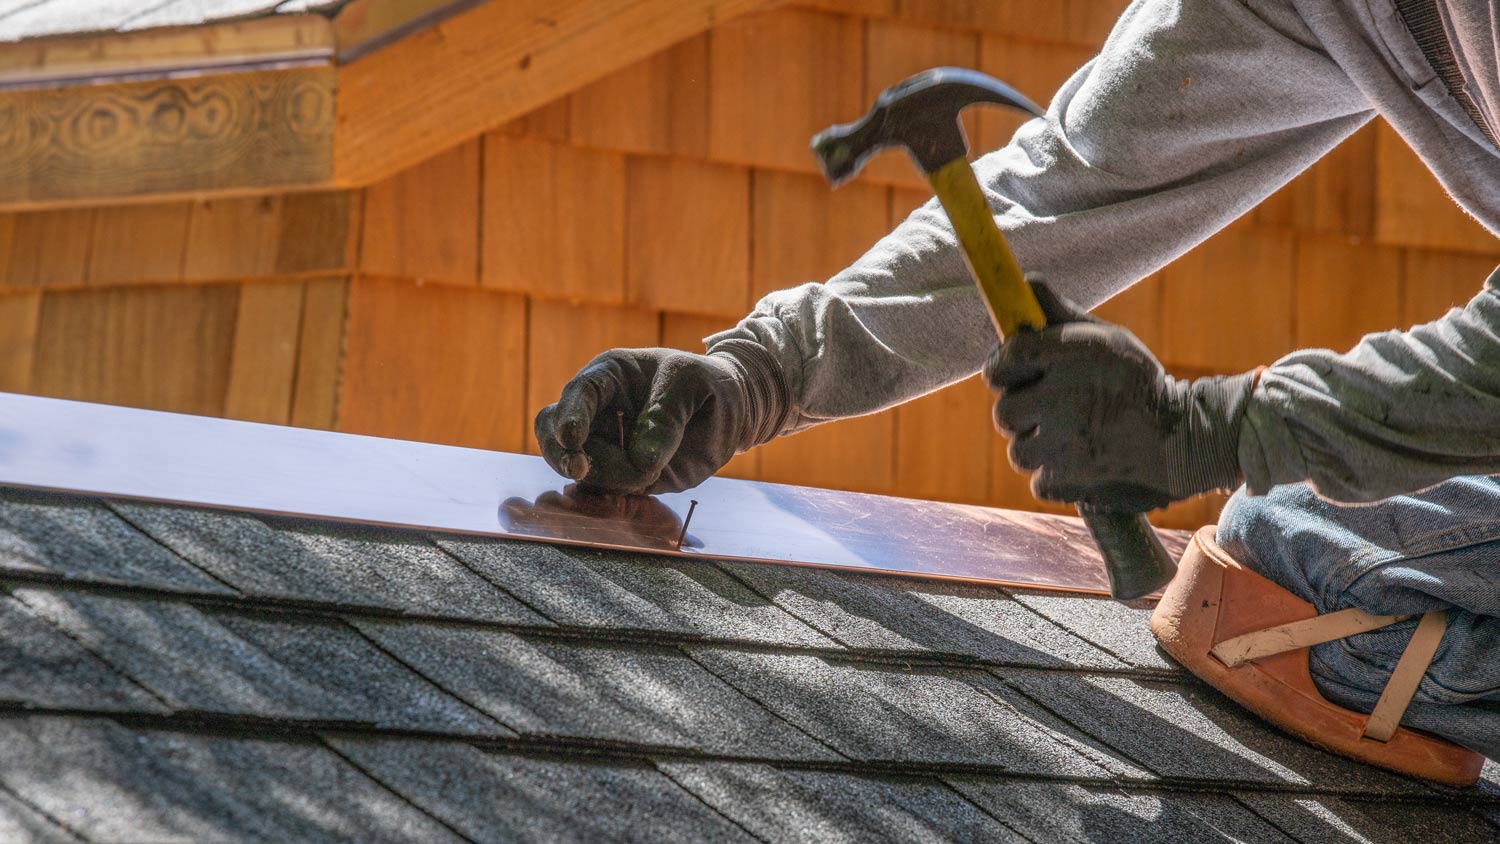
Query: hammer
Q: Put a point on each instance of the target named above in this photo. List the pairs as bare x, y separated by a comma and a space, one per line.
921, 114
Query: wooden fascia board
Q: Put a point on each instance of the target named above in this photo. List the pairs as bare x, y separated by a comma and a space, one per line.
159, 53
254, 131
259, 106
363, 26
472, 72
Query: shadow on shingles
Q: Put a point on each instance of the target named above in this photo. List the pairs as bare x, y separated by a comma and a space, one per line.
1314, 818
701, 572
904, 615
116, 783
1192, 732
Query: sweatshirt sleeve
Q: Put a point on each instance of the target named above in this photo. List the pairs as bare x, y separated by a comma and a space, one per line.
1194, 112
1401, 411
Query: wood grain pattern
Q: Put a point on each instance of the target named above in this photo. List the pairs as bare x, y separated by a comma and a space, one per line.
424, 223
158, 52
767, 102
944, 442
1045, 21
1436, 281
162, 347
264, 236
319, 232
136, 243
232, 237
1346, 288
1089, 22
555, 351
805, 231
263, 362
688, 229
1411, 207
46, 248
552, 122
554, 220
492, 64
860, 8
853, 454
895, 50
1228, 303
363, 23
434, 363
19, 314
241, 131
657, 106
320, 348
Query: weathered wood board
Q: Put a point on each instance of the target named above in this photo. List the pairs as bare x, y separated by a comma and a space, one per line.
243, 131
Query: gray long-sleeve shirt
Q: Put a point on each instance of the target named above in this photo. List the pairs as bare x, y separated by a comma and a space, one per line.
1194, 112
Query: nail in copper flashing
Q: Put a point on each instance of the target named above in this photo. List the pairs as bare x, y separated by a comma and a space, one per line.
620, 420
692, 505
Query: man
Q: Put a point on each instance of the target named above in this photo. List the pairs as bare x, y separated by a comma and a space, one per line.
1194, 112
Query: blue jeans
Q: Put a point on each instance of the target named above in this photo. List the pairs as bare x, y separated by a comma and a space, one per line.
1438, 549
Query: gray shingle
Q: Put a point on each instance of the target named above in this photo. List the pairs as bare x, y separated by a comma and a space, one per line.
1077, 814
1329, 819
1121, 630
878, 713
1187, 730
110, 783
903, 614
498, 797
642, 695
21, 824
780, 805
347, 564
582, 587
283, 668
78, 537
39, 666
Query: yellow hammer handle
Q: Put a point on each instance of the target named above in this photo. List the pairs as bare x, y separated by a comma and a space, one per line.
1007, 295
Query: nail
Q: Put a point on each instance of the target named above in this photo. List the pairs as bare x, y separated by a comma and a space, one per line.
620, 418
692, 505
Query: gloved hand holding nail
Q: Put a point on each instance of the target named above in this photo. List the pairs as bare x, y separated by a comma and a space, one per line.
684, 416
1091, 412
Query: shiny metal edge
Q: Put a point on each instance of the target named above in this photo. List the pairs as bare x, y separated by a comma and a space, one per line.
117, 452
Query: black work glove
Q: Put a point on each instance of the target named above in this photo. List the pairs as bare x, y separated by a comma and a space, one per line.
1089, 409
685, 416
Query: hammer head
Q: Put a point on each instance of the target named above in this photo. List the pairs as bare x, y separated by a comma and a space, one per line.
920, 114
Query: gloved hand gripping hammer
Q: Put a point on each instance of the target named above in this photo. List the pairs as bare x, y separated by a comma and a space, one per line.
921, 114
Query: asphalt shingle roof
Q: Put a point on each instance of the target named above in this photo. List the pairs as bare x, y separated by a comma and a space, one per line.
168, 673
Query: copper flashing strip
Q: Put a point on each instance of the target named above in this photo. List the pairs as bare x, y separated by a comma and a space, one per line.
127, 453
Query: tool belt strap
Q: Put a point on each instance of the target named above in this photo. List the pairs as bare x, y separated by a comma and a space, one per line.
1399, 690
